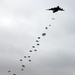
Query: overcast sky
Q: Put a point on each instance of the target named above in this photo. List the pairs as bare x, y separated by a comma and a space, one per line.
21, 22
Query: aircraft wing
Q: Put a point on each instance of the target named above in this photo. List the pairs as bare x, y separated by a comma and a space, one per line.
50, 9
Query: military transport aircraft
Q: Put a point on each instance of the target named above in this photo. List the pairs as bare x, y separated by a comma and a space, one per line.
56, 9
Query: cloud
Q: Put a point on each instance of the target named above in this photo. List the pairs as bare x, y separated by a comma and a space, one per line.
21, 22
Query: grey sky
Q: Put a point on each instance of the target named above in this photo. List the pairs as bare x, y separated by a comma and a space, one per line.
22, 21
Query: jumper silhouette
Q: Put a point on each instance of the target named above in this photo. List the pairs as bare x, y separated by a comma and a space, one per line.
8, 71
22, 69
23, 65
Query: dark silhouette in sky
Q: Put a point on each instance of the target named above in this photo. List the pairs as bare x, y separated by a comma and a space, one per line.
49, 25
8, 71
20, 59
35, 50
38, 37
28, 56
43, 34
22, 69
46, 27
23, 65
30, 50
56, 9
37, 41
24, 56
29, 60
33, 46
38, 44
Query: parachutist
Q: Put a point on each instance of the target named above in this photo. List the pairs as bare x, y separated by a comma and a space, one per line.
22, 69
20, 59
38, 44
24, 56
23, 65
33, 46
28, 56
38, 37
35, 50
29, 60
37, 41
49, 25
46, 27
8, 71
30, 50
43, 34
